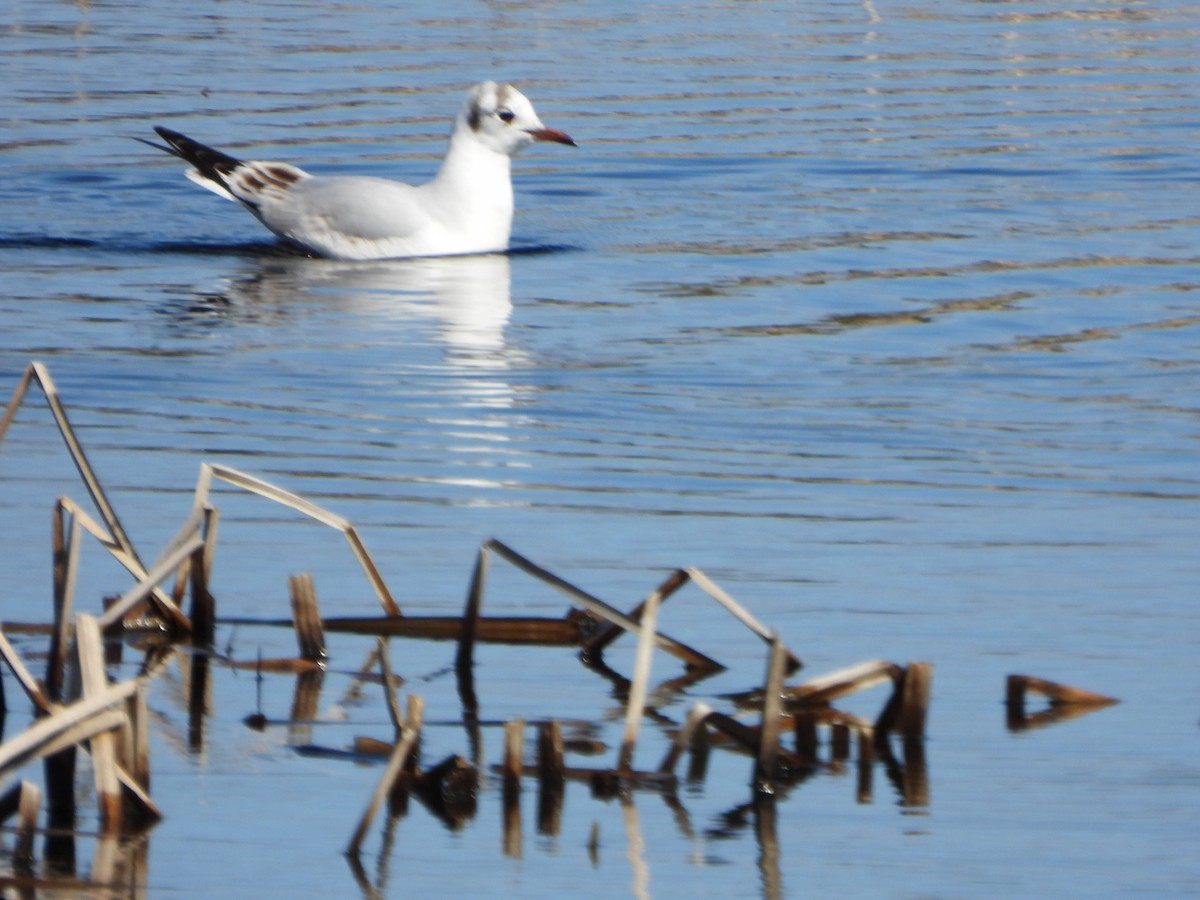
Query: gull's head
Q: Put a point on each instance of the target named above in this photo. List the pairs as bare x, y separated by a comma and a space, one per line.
503, 120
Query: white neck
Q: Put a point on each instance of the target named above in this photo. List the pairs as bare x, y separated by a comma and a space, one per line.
475, 186
472, 167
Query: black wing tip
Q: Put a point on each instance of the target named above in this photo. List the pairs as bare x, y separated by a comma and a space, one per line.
177, 144
170, 136
210, 163
156, 146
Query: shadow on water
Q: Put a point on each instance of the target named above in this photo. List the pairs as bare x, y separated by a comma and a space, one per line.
255, 249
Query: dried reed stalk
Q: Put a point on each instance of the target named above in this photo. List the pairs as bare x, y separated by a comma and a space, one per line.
768, 745
27, 815
161, 600
489, 629
24, 677
739, 612
286, 666
636, 704
692, 658
914, 703
609, 632
307, 617
36, 740
294, 501
514, 739
36, 371
391, 772
137, 760
103, 746
149, 582
199, 567
839, 683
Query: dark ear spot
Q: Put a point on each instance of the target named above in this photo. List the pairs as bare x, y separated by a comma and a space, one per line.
474, 117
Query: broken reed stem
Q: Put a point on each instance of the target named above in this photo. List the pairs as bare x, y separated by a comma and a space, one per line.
597, 607
191, 526
609, 631
36, 740
24, 677
272, 492
641, 677
37, 371
768, 748
147, 585
395, 765
738, 611
163, 602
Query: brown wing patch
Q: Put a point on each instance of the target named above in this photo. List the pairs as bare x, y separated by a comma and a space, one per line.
281, 175
252, 180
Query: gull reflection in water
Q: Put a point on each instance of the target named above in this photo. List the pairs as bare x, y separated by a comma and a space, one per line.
434, 329
468, 295
466, 300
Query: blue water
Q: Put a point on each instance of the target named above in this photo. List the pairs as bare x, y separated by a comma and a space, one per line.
884, 316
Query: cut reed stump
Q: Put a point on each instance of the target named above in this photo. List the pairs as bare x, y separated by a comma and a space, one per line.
908, 709
551, 777
310, 634
22, 800
767, 768
514, 737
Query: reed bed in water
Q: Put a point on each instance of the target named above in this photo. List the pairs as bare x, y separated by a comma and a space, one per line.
78, 708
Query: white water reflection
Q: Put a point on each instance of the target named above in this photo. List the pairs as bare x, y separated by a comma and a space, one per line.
467, 296
367, 358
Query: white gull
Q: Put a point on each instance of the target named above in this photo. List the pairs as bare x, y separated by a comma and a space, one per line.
466, 208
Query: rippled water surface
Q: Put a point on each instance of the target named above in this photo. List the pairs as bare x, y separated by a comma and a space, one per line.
884, 315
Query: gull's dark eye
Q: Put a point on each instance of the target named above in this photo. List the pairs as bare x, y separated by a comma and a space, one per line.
506, 115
